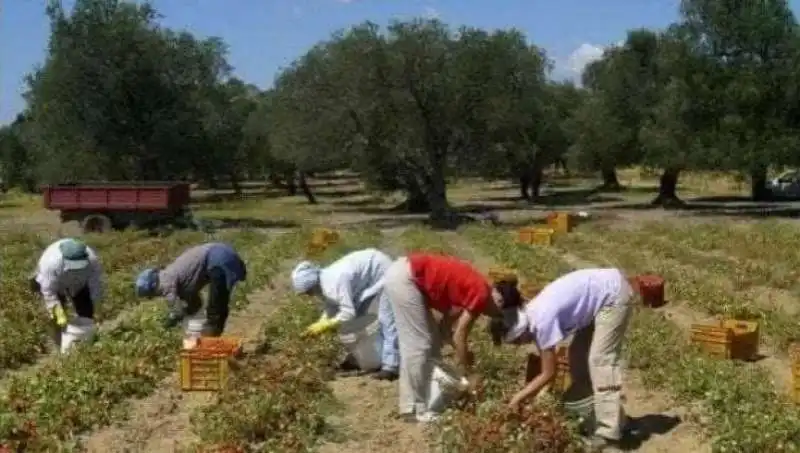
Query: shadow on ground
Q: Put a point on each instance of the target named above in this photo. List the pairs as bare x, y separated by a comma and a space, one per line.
648, 425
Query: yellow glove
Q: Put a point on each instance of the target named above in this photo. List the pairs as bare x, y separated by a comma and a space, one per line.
323, 325
59, 316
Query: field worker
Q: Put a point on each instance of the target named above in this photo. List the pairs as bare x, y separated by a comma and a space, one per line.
68, 269
348, 287
416, 285
214, 264
596, 305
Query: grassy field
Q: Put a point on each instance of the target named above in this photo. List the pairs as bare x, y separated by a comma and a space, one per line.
721, 258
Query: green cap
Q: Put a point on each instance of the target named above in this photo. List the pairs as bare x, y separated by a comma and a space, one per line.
75, 254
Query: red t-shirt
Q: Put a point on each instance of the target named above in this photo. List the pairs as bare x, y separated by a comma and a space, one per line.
447, 282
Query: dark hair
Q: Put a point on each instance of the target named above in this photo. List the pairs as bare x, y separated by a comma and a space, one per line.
499, 327
510, 294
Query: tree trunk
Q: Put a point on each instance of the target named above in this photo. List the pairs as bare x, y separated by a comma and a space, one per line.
291, 186
524, 184
667, 189
301, 176
237, 188
441, 214
610, 180
537, 178
416, 201
758, 185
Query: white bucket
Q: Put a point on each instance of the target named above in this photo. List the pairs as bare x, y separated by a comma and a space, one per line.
360, 338
193, 329
445, 385
78, 329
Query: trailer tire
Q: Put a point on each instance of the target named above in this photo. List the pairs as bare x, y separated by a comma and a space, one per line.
96, 223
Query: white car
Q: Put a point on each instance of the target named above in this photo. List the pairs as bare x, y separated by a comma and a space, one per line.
787, 185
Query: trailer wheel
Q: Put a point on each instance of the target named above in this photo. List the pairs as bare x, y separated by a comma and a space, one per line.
96, 223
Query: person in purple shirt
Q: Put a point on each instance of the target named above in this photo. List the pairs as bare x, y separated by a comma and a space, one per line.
595, 305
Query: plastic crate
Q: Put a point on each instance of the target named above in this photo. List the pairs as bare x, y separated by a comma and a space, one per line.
529, 290
206, 367
502, 274
324, 237
561, 222
715, 340
728, 339
651, 288
536, 236
563, 378
745, 339
794, 355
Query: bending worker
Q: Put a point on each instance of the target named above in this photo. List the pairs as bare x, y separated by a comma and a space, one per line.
214, 264
422, 283
596, 305
68, 269
348, 287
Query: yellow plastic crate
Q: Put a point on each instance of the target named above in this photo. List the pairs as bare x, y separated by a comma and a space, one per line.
728, 339
529, 290
563, 378
536, 236
794, 355
560, 222
502, 274
207, 366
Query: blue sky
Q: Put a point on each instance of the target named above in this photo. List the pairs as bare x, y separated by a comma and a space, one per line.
265, 35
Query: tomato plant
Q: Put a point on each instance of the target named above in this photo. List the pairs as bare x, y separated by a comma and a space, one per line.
90, 387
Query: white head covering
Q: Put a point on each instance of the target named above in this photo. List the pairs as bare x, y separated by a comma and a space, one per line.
520, 326
305, 276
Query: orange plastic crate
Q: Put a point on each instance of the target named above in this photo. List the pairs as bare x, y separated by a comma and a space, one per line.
324, 237
560, 222
206, 367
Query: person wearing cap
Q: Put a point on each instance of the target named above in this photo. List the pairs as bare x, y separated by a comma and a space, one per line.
68, 269
419, 285
595, 305
214, 264
348, 287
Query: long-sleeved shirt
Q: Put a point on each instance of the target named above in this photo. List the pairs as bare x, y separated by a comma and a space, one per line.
55, 281
188, 274
352, 280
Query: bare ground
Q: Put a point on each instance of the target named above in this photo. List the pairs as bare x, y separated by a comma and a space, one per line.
160, 423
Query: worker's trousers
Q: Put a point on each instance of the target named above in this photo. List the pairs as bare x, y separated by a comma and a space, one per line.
596, 363
388, 343
418, 335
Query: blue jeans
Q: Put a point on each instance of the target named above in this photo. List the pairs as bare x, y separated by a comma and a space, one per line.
388, 344
387, 337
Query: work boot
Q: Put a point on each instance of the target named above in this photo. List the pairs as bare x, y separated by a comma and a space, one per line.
385, 375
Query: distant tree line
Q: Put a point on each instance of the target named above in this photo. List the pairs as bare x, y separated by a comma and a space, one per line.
410, 106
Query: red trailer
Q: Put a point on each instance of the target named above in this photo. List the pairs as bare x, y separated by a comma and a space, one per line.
103, 206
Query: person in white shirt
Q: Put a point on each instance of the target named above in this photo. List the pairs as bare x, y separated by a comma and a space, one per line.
348, 287
68, 269
595, 305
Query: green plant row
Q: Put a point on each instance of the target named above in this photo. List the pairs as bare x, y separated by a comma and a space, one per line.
760, 254
483, 423
22, 320
89, 388
744, 413
704, 291
279, 399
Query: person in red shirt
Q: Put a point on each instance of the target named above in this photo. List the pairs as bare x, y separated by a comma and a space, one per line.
419, 284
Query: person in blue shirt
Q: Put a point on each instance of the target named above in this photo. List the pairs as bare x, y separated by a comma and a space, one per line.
214, 264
